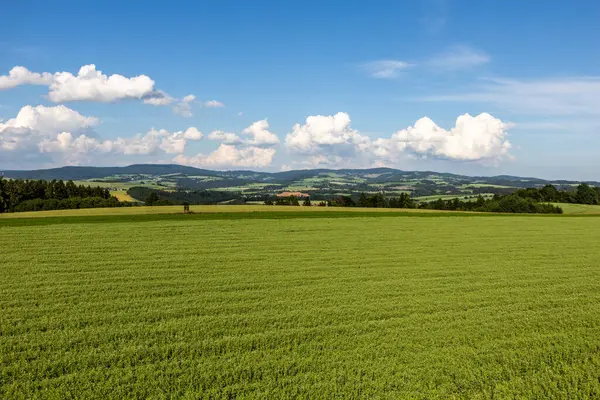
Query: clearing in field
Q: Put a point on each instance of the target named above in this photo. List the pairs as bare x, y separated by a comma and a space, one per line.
259, 305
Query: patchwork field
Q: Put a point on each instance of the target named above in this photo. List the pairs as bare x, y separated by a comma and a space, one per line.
259, 305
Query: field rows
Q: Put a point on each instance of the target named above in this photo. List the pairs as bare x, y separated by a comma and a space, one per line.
311, 308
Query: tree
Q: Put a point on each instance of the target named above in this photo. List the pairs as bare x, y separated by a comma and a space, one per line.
363, 200
549, 193
269, 203
3, 196
293, 201
586, 194
306, 202
152, 199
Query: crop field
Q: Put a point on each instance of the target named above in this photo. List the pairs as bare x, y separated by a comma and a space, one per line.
281, 304
122, 195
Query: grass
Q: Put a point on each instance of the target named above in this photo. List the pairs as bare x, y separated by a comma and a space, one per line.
253, 208
578, 209
381, 305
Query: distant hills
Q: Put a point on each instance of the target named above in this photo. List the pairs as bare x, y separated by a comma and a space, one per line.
317, 182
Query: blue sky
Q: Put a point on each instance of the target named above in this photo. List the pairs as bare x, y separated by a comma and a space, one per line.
368, 83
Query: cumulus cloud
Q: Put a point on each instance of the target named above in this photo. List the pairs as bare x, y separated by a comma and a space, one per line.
385, 69
255, 148
257, 134
225, 137
50, 119
22, 76
89, 84
482, 137
260, 135
327, 137
330, 140
35, 124
92, 85
229, 155
64, 133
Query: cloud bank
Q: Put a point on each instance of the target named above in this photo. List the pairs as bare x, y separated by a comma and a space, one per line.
330, 140
61, 135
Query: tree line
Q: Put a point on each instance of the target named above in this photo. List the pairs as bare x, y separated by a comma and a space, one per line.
154, 197
35, 195
583, 194
512, 203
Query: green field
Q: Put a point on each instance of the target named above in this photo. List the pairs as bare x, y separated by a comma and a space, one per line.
578, 209
281, 304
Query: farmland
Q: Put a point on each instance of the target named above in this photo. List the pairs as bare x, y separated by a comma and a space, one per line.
281, 304
320, 184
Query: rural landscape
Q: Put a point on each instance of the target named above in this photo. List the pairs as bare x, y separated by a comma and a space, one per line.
272, 301
300, 200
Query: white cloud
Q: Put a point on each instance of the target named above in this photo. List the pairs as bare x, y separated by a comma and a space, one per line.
159, 98
181, 107
88, 85
260, 134
151, 143
385, 69
330, 140
228, 155
66, 142
65, 136
458, 57
555, 97
50, 119
472, 139
257, 151
22, 76
192, 134
184, 107
327, 136
213, 104
188, 98
225, 137
92, 85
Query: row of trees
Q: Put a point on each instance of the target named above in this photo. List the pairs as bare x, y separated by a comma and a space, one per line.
68, 204
17, 194
503, 204
584, 194
288, 201
154, 197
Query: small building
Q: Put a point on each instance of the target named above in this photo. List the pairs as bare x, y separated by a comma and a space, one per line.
299, 195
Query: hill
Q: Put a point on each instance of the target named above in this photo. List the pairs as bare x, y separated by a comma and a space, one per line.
319, 183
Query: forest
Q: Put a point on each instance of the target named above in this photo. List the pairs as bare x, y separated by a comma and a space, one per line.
37, 195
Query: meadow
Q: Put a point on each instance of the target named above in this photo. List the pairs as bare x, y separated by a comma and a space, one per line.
282, 304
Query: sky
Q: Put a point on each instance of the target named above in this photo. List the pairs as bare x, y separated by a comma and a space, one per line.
472, 87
